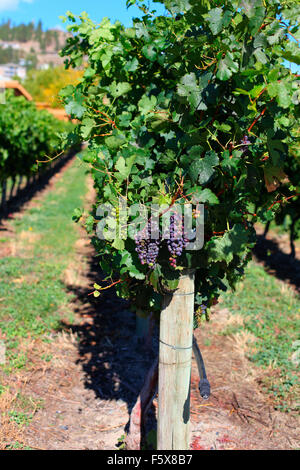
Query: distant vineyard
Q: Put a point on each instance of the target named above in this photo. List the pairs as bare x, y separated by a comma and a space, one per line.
288, 208
27, 136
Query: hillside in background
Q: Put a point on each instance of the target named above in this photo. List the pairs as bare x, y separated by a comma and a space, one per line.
29, 46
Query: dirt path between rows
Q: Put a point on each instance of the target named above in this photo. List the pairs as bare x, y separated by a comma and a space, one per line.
87, 390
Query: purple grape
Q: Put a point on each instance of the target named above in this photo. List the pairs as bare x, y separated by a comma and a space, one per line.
245, 142
177, 241
147, 248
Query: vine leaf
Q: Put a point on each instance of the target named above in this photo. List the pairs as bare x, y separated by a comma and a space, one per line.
215, 20
189, 88
118, 244
232, 243
227, 67
75, 107
87, 126
202, 170
292, 53
124, 167
147, 104
119, 89
274, 176
103, 32
206, 195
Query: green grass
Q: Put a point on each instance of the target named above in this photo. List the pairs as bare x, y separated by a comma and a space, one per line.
24, 409
19, 417
32, 291
271, 312
18, 446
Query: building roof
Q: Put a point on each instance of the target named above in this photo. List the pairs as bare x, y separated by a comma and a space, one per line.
16, 86
19, 90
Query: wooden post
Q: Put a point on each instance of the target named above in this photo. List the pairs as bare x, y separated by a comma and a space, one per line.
175, 360
292, 238
3, 197
19, 184
12, 187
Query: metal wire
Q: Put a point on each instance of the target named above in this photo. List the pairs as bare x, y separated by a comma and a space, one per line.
174, 347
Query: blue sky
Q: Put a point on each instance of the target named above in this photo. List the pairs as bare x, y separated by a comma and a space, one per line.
50, 10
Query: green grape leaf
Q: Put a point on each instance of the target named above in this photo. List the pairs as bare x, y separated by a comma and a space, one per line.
75, 109
226, 67
202, 170
119, 89
232, 243
215, 20
189, 88
147, 104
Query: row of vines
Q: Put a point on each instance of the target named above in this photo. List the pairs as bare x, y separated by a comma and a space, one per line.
288, 209
195, 106
27, 136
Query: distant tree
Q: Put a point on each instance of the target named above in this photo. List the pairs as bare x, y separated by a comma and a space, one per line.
9, 55
31, 61
29, 32
5, 31
39, 32
56, 39
43, 44
44, 85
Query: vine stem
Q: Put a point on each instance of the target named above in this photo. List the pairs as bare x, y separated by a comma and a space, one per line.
283, 200
110, 286
258, 117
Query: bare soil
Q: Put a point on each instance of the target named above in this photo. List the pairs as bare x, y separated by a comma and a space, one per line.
238, 414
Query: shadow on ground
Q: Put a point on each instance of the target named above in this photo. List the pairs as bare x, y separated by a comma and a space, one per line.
114, 361
278, 263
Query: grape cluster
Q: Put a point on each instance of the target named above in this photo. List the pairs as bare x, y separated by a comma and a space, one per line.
203, 309
177, 241
245, 142
146, 248
200, 314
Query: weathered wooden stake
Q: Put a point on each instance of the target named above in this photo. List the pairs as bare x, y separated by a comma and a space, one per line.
12, 187
175, 359
3, 197
19, 184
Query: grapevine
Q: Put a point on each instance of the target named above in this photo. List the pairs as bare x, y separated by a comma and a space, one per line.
35, 138
199, 96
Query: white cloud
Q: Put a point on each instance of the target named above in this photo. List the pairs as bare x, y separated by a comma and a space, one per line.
8, 5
